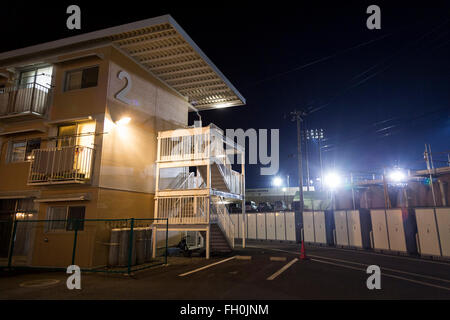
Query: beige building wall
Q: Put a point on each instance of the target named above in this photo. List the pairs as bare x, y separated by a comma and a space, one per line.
123, 181
119, 204
14, 176
82, 102
129, 151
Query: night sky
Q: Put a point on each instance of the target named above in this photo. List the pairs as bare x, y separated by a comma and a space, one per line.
382, 94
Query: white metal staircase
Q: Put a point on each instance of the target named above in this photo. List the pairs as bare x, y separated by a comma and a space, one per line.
196, 201
221, 223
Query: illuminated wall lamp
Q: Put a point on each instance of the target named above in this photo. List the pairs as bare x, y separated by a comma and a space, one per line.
124, 121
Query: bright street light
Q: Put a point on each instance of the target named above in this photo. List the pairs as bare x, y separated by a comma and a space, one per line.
332, 180
277, 181
397, 175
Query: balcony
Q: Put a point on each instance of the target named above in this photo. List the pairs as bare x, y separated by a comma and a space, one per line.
24, 102
63, 165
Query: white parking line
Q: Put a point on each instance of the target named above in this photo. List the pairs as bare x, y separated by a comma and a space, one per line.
276, 274
278, 259
390, 256
206, 267
365, 252
243, 257
383, 268
385, 275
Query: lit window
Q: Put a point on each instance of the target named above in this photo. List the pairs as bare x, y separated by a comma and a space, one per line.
57, 218
21, 151
31, 145
65, 218
81, 134
80, 79
17, 153
41, 76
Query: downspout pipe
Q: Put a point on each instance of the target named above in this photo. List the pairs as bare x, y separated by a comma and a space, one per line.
193, 108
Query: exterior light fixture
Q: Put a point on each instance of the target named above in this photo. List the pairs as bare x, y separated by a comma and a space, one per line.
124, 121
20, 215
332, 180
221, 105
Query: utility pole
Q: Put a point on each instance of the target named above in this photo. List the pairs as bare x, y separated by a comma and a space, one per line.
353, 190
430, 167
298, 116
387, 201
288, 193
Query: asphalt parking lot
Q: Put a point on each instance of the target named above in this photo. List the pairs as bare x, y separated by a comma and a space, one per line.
261, 271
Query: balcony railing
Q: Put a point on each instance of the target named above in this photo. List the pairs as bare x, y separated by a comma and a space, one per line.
187, 146
221, 216
24, 99
186, 181
196, 210
71, 164
183, 210
193, 144
207, 143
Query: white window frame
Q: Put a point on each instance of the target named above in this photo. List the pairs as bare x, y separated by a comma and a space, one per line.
36, 75
11, 148
48, 228
68, 72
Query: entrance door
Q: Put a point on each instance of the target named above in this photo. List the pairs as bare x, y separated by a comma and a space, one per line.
19, 209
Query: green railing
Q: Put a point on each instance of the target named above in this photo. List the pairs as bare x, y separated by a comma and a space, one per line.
95, 245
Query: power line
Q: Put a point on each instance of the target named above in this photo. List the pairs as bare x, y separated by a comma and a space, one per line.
321, 59
424, 35
352, 86
405, 121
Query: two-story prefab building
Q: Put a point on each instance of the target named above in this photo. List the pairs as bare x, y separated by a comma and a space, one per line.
79, 125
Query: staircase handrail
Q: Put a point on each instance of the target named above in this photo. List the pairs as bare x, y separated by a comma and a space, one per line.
221, 215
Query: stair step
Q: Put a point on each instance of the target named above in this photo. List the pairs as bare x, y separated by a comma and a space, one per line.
218, 240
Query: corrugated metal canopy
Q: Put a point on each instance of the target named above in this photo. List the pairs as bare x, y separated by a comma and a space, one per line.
162, 47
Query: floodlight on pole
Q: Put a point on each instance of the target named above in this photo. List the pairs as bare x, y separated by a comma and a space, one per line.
277, 181
317, 135
397, 175
332, 180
